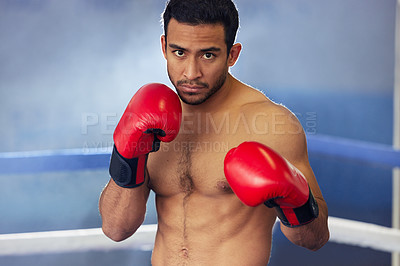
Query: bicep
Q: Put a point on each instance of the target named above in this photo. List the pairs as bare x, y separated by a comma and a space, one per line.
291, 143
146, 190
299, 158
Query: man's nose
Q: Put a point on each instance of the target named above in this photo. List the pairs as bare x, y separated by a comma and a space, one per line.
192, 69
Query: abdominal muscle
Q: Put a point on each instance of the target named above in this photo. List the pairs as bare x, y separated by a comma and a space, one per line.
196, 229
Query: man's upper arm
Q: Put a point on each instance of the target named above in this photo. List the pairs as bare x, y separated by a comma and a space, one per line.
287, 137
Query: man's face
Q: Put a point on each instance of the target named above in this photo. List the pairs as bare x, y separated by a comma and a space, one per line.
197, 60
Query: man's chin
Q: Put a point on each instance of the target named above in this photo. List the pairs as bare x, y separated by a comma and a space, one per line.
191, 99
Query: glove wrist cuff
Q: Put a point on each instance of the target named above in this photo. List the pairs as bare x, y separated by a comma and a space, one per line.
127, 173
294, 217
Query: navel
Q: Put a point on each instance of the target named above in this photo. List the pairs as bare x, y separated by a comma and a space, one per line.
184, 253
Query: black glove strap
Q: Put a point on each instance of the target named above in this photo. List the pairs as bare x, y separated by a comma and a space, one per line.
124, 171
302, 215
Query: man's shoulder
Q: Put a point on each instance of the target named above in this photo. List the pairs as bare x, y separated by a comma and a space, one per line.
273, 124
257, 103
276, 117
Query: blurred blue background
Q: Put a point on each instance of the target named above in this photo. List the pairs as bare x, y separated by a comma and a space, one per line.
69, 68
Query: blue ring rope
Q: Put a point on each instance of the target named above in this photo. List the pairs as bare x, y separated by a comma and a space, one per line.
377, 154
79, 159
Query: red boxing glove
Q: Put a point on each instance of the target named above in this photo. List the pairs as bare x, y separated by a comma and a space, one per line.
153, 115
257, 175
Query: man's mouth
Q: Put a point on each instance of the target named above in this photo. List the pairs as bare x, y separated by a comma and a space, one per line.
191, 88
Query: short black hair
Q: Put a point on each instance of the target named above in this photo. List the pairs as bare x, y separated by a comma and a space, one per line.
195, 12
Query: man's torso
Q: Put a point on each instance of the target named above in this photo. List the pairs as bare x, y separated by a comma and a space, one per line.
200, 220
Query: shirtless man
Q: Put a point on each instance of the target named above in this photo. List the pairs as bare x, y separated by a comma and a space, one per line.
218, 160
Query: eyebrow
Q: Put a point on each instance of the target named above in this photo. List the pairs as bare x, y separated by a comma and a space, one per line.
175, 46
209, 49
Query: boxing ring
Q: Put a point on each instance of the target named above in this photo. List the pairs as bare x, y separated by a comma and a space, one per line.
342, 231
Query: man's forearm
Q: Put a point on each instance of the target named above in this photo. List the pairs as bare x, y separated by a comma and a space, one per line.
122, 210
313, 235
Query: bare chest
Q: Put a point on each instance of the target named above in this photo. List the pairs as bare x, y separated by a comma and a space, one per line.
188, 165
194, 161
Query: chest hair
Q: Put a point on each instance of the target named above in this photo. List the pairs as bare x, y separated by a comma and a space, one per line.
184, 171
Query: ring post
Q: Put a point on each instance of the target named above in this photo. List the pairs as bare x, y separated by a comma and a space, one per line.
396, 133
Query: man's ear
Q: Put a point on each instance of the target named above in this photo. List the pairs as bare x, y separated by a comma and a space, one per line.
234, 54
163, 45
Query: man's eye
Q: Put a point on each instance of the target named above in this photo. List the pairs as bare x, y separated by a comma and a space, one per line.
208, 55
179, 53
